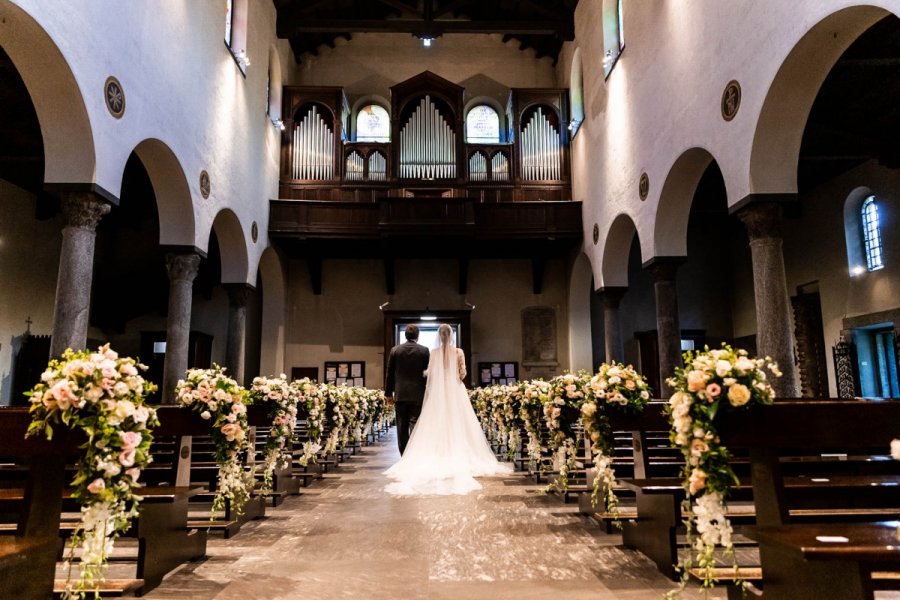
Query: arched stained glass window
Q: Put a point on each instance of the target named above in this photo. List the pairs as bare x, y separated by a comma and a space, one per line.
373, 124
871, 227
482, 125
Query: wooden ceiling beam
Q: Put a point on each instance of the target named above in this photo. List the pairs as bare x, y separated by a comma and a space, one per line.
563, 28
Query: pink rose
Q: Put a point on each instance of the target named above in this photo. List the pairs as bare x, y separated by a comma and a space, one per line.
96, 486
713, 390
697, 481
130, 439
230, 430
696, 380
133, 473
126, 458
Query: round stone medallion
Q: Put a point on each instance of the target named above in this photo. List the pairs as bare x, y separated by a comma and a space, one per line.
115, 97
596, 233
731, 100
204, 184
254, 231
644, 186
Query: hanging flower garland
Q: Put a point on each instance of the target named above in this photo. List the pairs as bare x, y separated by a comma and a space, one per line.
562, 414
711, 382
613, 387
531, 408
220, 400
102, 395
312, 398
282, 411
335, 420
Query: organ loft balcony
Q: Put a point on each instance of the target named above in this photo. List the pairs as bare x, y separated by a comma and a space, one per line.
429, 165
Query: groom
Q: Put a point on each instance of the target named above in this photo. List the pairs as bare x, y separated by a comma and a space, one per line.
405, 383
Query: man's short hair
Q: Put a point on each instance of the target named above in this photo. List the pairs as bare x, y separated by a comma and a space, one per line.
412, 332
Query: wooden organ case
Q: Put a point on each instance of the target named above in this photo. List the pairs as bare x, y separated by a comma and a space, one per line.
427, 155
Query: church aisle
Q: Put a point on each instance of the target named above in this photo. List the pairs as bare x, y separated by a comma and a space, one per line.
345, 538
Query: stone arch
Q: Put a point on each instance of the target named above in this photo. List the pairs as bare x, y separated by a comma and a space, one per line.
614, 268
66, 131
675, 199
232, 247
579, 301
782, 118
173, 194
274, 289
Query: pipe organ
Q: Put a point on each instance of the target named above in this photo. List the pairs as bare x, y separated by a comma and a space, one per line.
377, 167
313, 147
477, 167
540, 149
353, 169
427, 144
427, 153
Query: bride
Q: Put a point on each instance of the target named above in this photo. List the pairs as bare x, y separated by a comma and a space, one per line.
447, 448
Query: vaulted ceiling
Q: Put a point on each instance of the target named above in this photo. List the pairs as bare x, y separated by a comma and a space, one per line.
541, 25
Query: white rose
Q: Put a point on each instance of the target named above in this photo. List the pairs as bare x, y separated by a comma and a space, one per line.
722, 368
738, 394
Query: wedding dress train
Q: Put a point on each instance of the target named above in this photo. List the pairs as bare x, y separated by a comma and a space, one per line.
447, 448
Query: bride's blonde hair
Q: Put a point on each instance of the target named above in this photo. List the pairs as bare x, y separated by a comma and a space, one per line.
445, 335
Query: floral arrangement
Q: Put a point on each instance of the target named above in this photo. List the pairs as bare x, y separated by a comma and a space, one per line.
613, 387
335, 421
711, 382
530, 413
562, 415
313, 398
282, 404
102, 395
218, 399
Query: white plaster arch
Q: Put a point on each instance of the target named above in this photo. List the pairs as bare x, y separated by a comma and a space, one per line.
232, 247
580, 348
69, 154
274, 289
174, 204
784, 112
617, 245
673, 208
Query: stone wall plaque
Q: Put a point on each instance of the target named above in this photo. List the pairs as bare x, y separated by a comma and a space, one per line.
731, 100
539, 341
596, 233
644, 186
254, 231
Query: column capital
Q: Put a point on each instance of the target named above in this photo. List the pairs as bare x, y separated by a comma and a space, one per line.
762, 220
83, 210
663, 268
182, 267
611, 295
238, 294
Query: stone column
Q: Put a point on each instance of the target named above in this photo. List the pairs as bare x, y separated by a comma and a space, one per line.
238, 293
668, 329
615, 350
182, 270
76, 269
774, 337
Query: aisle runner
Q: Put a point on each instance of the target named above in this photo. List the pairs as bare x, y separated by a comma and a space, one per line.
345, 538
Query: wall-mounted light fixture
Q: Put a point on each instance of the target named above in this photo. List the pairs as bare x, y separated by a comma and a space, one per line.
278, 124
242, 58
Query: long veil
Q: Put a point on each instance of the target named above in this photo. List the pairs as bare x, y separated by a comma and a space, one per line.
447, 448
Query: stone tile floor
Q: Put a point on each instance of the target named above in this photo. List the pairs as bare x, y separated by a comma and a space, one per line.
345, 538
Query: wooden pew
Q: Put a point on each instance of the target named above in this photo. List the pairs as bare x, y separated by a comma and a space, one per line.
28, 556
803, 561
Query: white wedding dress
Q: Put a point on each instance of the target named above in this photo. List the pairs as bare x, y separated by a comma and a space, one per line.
447, 448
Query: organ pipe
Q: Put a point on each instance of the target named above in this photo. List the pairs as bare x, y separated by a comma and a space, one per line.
477, 167
377, 167
540, 149
427, 144
313, 148
353, 170
500, 167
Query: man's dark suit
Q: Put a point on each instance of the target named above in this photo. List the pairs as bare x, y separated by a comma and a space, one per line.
406, 383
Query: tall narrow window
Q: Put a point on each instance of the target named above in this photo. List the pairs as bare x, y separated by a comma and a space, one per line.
229, 19
872, 234
613, 34
482, 125
373, 124
236, 31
